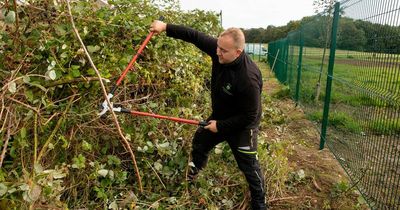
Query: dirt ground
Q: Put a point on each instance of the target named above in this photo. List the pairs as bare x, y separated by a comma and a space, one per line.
324, 184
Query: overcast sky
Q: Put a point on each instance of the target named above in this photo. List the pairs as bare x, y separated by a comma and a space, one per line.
254, 13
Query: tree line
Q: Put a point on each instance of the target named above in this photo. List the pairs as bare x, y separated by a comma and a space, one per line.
352, 34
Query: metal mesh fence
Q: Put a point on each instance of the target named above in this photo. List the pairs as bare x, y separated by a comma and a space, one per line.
342, 67
257, 51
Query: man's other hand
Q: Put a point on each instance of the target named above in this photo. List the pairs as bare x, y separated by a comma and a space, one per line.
212, 126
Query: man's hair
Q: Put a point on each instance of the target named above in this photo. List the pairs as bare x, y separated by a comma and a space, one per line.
237, 36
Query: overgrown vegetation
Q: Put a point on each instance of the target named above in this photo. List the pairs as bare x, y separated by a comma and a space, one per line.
59, 154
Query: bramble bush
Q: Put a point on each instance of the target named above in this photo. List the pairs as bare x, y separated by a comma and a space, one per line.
60, 154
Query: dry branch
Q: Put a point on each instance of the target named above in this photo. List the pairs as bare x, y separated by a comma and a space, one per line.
3, 153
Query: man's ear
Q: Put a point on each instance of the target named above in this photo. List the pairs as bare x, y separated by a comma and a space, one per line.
239, 51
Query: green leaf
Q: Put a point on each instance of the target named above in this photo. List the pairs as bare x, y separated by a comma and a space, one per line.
26, 79
113, 205
64, 55
29, 95
64, 140
3, 189
91, 72
79, 162
10, 18
23, 133
113, 160
158, 166
51, 74
24, 187
12, 87
93, 49
51, 146
38, 168
76, 73
361, 200
58, 175
102, 172
36, 84
34, 194
86, 146
60, 30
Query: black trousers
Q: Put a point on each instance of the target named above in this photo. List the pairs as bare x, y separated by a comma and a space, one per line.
244, 148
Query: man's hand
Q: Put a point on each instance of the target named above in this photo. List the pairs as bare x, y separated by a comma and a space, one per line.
158, 27
212, 126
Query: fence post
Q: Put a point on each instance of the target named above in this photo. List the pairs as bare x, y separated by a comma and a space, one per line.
254, 51
299, 67
286, 58
330, 76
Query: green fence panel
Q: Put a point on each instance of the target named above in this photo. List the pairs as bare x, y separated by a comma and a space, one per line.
363, 120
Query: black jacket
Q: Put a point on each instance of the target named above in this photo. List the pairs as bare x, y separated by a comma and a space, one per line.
235, 87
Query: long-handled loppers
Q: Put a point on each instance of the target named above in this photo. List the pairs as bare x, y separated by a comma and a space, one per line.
104, 106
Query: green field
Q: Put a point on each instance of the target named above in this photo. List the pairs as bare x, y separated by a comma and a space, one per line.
363, 123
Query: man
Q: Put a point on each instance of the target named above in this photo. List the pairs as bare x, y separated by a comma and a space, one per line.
236, 86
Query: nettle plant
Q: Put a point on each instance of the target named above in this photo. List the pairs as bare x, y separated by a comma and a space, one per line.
58, 151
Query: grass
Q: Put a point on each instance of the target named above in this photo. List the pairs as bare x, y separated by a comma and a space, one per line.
292, 149
364, 108
385, 126
371, 72
339, 120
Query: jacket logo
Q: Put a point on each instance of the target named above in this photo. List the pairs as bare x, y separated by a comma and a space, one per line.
227, 89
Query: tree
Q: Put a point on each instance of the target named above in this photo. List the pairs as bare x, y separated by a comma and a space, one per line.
349, 36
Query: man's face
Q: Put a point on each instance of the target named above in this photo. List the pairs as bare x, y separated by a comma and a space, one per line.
226, 50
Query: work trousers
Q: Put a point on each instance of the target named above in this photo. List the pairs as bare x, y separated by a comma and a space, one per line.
243, 145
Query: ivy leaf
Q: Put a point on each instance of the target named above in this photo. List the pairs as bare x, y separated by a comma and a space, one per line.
10, 18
